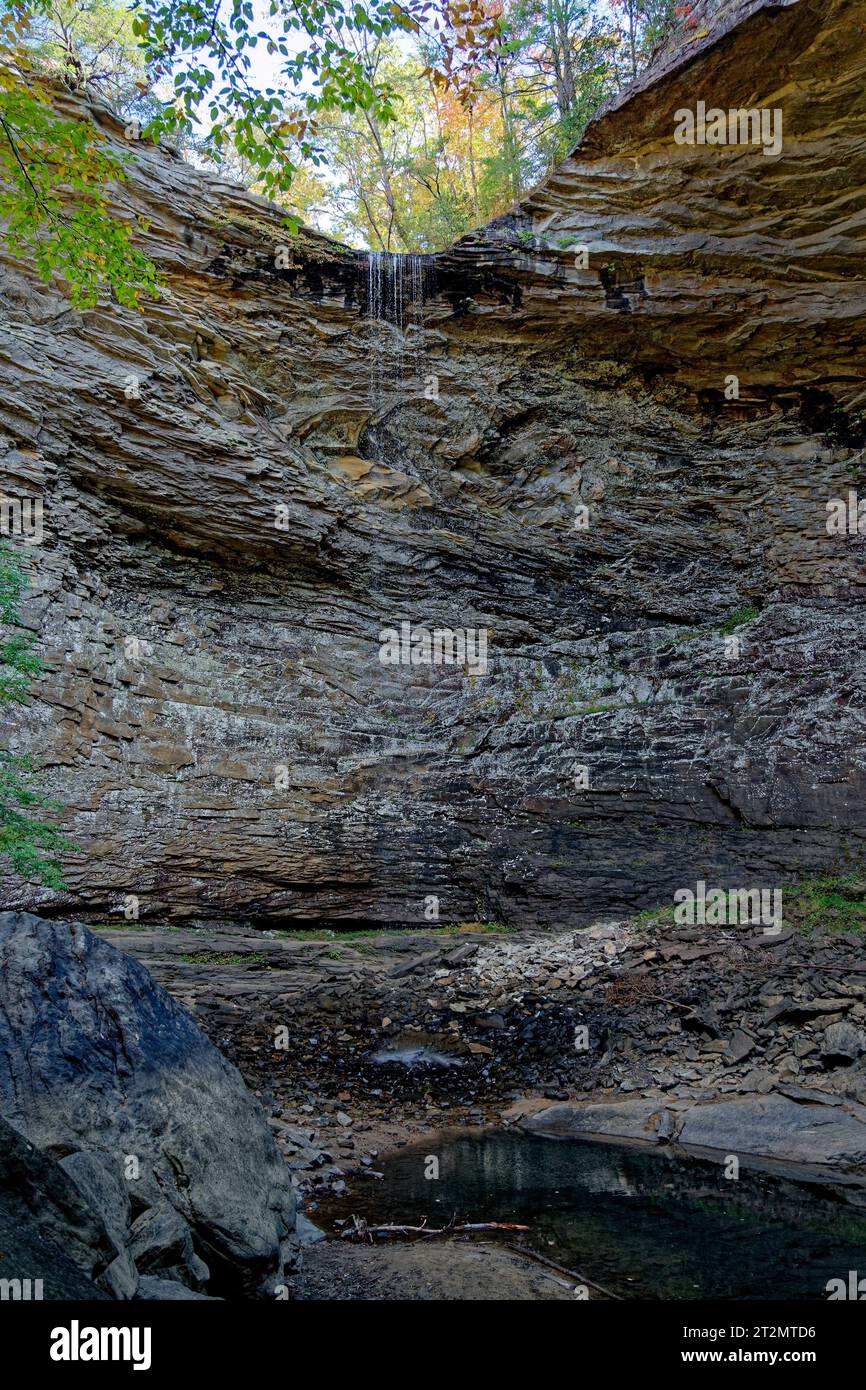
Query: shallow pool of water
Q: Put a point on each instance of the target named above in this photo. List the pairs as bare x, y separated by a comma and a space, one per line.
642, 1223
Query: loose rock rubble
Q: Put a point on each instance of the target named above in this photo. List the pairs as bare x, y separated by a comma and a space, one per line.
355, 1046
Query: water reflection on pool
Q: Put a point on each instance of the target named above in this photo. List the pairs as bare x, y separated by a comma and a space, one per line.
643, 1223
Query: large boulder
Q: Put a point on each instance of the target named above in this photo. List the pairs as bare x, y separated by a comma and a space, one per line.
96, 1059
52, 1244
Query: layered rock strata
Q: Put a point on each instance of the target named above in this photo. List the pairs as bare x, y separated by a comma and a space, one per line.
249, 483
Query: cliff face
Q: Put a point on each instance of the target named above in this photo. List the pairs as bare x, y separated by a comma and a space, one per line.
247, 484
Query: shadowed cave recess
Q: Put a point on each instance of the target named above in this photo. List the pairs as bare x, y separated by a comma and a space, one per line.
301, 447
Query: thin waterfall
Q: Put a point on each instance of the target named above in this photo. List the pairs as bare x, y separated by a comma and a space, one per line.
395, 288
375, 315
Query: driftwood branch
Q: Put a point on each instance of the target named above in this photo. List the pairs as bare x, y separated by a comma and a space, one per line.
362, 1231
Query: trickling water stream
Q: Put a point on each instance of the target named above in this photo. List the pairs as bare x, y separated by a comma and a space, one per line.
396, 284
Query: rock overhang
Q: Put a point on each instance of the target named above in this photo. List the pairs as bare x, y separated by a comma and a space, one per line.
229, 537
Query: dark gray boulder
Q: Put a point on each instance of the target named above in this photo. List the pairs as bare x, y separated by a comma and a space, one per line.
52, 1245
100, 1180
161, 1243
97, 1059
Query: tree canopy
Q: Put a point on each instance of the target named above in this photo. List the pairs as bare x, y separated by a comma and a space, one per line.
397, 123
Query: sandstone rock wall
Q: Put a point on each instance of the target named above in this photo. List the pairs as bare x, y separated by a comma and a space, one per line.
216, 717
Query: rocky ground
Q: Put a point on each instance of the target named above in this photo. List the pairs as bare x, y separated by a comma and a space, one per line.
448, 1270
355, 1045
707, 1040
